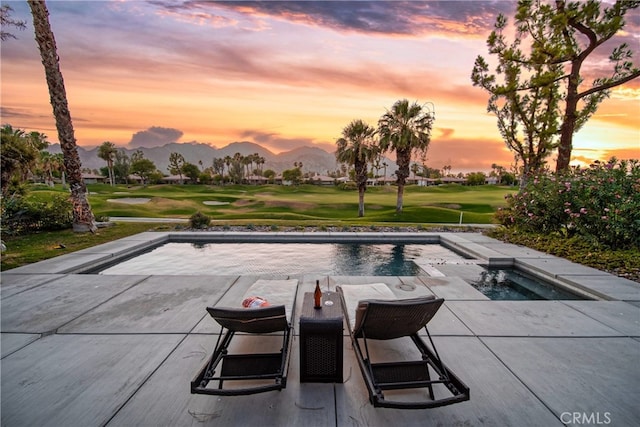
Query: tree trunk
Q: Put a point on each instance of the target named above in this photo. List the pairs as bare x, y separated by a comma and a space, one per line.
112, 178
400, 199
403, 159
360, 167
361, 202
568, 127
83, 219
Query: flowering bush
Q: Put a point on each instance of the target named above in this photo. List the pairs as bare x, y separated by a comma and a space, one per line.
600, 203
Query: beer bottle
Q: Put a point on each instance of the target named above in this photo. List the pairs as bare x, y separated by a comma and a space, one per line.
317, 296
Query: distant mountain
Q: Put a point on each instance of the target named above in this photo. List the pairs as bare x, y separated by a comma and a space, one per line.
245, 148
313, 159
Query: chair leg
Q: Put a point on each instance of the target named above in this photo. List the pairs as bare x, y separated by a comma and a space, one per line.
219, 353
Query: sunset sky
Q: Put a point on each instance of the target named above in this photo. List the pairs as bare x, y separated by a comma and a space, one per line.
282, 74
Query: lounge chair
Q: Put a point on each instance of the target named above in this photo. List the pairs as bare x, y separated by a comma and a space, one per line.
379, 315
260, 372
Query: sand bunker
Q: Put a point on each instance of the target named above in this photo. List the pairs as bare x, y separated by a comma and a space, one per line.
130, 200
214, 203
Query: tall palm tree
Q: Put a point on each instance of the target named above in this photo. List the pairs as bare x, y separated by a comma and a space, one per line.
405, 129
83, 219
357, 147
227, 161
260, 162
58, 166
47, 166
107, 152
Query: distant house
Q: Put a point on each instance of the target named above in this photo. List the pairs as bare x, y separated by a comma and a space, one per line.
491, 180
422, 181
91, 178
452, 180
322, 180
257, 180
389, 180
173, 179
134, 178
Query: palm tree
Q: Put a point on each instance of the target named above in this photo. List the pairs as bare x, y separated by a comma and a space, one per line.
83, 219
357, 147
414, 170
247, 161
47, 166
260, 161
58, 165
227, 161
236, 174
18, 156
218, 166
404, 129
107, 152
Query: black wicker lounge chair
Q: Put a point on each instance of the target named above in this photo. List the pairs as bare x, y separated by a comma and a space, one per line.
386, 319
257, 372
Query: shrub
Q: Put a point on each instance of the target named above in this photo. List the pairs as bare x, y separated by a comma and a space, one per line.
600, 204
21, 215
199, 220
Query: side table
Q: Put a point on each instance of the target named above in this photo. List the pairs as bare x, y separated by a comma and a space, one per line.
321, 340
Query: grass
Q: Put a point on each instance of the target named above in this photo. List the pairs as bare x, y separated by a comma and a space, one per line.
303, 203
272, 206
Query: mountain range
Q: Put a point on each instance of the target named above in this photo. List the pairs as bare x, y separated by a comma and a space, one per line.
313, 159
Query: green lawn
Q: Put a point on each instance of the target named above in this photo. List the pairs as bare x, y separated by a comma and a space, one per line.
307, 203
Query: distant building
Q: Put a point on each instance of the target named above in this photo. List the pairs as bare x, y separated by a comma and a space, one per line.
91, 178
322, 180
452, 180
173, 179
389, 180
491, 180
257, 180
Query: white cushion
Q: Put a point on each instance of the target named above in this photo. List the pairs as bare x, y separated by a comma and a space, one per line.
355, 293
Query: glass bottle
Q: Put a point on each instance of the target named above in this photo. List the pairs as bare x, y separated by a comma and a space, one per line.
317, 296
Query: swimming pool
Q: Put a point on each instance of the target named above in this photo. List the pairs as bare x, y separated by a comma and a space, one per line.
341, 259
513, 285
333, 259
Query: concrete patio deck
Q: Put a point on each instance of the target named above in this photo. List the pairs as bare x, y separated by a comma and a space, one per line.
87, 349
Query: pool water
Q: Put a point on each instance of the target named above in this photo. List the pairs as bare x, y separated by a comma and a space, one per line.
284, 259
510, 285
333, 259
